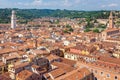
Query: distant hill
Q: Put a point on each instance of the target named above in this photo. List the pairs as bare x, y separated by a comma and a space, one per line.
29, 14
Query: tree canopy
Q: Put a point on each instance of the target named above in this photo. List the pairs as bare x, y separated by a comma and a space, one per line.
25, 15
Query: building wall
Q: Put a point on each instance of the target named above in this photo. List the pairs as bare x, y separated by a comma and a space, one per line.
2, 69
70, 56
89, 77
101, 73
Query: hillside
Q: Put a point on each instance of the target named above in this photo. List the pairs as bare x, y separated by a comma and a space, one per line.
25, 15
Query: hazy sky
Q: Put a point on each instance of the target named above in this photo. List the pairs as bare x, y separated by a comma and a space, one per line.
62, 4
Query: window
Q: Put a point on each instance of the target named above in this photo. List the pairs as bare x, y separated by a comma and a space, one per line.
95, 71
101, 73
116, 78
0, 69
108, 75
91, 70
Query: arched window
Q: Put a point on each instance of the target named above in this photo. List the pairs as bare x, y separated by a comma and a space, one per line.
116, 78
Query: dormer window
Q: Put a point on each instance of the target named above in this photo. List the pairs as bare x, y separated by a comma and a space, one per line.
101, 73
95, 71
108, 75
116, 78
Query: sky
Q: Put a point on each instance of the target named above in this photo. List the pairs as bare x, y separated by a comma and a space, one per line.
62, 4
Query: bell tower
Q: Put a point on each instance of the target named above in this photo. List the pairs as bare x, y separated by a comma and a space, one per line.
111, 22
13, 20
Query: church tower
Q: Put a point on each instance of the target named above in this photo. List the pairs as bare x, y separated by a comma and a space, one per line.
111, 22
13, 20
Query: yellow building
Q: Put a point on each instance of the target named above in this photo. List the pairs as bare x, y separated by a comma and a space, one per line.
85, 52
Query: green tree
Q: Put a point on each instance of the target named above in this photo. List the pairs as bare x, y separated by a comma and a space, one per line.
96, 30
71, 29
65, 31
87, 30
102, 26
68, 26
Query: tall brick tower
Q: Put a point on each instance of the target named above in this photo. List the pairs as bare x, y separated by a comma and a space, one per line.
13, 20
111, 22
